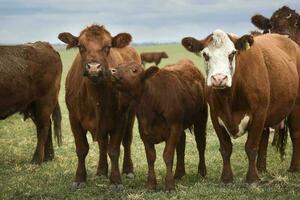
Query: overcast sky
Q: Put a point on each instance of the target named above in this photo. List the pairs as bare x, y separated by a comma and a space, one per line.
148, 21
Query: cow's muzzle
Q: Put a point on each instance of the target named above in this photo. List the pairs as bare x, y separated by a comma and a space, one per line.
219, 81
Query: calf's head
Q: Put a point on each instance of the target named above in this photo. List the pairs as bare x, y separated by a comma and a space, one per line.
219, 51
130, 77
94, 44
284, 21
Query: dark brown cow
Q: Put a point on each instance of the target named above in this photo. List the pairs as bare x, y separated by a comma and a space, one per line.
153, 57
167, 102
252, 83
94, 105
284, 21
29, 83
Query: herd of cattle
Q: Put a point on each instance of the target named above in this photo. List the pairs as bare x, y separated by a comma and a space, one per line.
252, 85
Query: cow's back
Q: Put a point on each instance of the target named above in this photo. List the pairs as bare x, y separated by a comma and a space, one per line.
28, 72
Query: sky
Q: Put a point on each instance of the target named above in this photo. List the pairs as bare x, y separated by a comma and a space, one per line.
148, 21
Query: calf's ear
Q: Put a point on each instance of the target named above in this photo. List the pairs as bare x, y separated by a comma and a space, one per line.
192, 44
151, 71
244, 42
69, 39
261, 22
121, 40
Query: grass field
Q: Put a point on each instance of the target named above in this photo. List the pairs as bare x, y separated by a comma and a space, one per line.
52, 180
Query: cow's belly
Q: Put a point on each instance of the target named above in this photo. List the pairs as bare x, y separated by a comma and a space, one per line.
283, 92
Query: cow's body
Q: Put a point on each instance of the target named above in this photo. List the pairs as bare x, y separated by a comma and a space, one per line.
264, 91
153, 57
30, 83
94, 105
167, 104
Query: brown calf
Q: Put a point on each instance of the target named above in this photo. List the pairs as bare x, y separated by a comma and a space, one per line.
150, 57
94, 105
284, 21
167, 102
30, 83
252, 83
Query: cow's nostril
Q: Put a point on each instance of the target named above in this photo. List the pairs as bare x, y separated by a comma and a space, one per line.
113, 70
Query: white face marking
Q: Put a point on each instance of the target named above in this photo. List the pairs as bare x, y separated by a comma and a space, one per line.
242, 127
218, 50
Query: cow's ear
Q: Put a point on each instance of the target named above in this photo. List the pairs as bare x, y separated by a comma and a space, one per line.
69, 39
121, 40
297, 23
261, 22
244, 42
192, 44
151, 71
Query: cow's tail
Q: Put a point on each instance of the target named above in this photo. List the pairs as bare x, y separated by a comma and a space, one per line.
282, 132
56, 118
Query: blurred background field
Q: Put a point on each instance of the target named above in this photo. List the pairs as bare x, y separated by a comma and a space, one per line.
21, 180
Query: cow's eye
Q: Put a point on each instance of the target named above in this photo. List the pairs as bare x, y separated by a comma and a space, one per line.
206, 56
134, 70
231, 56
81, 48
106, 49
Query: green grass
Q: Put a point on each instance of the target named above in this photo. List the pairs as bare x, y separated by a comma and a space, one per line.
21, 180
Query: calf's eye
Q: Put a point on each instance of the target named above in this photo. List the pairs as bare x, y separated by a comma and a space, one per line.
231, 56
134, 70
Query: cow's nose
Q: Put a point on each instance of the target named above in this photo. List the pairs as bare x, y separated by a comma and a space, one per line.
93, 67
113, 70
219, 80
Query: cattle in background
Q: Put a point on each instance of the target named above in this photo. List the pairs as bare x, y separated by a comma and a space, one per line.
153, 57
284, 21
29, 83
94, 105
167, 101
248, 90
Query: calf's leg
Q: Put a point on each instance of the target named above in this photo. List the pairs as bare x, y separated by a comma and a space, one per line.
180, 148
127, 140
151, 157
102, 169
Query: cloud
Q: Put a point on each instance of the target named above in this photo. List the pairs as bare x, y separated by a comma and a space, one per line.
151, 21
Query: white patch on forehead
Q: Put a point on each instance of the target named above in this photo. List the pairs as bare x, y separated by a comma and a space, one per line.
243, 125
220, 41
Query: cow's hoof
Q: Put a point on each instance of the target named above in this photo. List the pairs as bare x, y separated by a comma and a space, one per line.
36, 161
77, 185
293, 169
129, 175
116, 187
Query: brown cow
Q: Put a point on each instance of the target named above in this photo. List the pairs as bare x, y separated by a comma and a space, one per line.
252, 83
284, 21
167, 102
29, 83
150, 57
94, 105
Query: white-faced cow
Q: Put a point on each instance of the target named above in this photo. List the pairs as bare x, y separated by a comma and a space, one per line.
252, 83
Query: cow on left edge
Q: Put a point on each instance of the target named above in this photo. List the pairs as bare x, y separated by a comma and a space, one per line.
30, 77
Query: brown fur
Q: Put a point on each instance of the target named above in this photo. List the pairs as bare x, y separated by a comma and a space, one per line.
167, 102
153, 57
30, 83
94, 105
283, 21
265, 86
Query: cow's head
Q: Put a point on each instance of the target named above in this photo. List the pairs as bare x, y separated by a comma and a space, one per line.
219, 51
164, 55
284, 21
94, 44
130, 77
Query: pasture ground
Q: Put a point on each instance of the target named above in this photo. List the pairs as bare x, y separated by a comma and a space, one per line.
21, 180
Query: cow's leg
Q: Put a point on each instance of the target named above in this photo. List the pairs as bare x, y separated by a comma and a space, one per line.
42, 122
114, 153
200, 137
252, 145
262, 152
151, 157
225, 149
127, 140
158, 61
102, 169
82, 149
294, 127
168, 155
180, 148
49, 150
